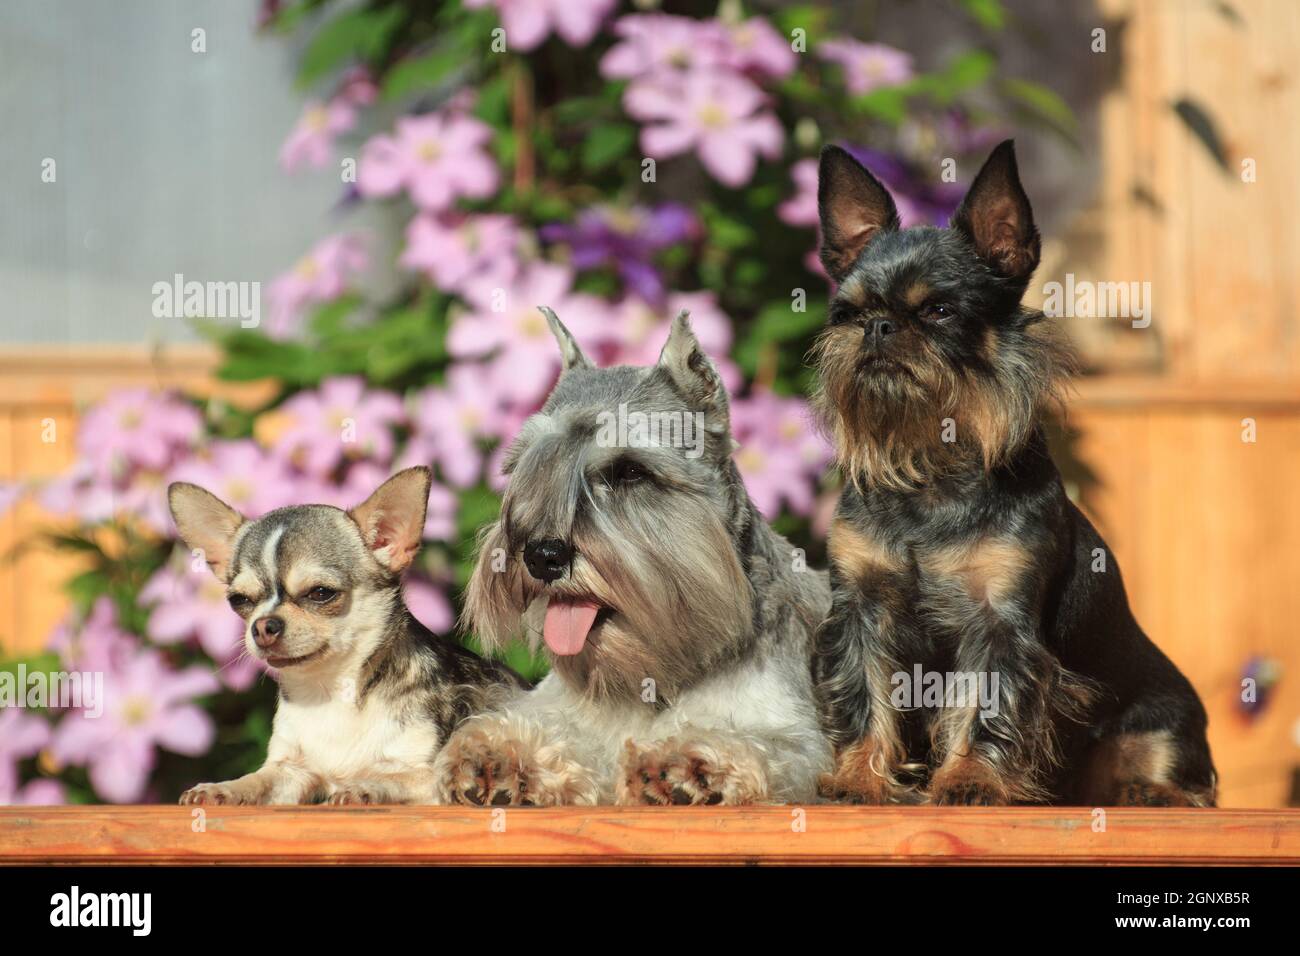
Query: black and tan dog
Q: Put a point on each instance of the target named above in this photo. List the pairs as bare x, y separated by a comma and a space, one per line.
954, 548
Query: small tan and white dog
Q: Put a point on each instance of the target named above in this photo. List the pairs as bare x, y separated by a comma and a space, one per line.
367, 694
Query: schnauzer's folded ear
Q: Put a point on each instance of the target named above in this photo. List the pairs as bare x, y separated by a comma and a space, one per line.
392, 519
694, 373
995, 216
206, 524
570, 353
854, 209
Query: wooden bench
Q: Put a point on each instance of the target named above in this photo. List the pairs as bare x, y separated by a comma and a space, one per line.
815, 834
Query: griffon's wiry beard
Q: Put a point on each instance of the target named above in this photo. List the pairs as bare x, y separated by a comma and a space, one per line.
680, 604
888, 427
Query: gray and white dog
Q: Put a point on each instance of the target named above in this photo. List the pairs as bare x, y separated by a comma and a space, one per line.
677, 623
367, 693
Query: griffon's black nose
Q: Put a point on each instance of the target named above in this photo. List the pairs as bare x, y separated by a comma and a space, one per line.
547, 560
879, 328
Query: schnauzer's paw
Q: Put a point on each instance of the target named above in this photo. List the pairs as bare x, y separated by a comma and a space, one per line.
218, 794
966, 782
478, 768
359, 794
682, 773
1141, 794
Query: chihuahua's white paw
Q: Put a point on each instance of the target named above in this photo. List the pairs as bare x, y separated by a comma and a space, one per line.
231, 793
708, 769
358, 794
500, 763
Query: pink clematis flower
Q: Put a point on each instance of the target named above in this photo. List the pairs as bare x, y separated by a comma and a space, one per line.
780, 453
504, 321
137, 427
757, 47
341, 419
243, 475
428, 604
451, 251
528, 22
23, 735
436, 158
311, 142
320, 276
654, 42
189, 602
452, 421
801, 208
718, 114
867, 66
643, 330
145, 705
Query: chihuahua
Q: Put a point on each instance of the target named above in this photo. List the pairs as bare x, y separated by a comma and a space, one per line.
955, 552
367, 694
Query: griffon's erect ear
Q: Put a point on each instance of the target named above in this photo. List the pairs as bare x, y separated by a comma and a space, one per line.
570, 353
694, 374
392, 519
206, 524
854, 209
995, 216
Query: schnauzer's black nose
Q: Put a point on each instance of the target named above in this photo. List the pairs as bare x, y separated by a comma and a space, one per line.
879, 328
546, 560
267, 630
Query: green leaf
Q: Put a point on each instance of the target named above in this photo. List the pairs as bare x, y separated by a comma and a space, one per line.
358, 34
421, 73
778, 323
1043, 103
887, 104
989, 14
605, 144
479, 506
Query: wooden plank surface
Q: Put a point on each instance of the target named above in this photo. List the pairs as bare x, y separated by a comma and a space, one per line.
817, 834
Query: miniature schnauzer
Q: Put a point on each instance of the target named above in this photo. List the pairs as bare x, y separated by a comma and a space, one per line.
677, 623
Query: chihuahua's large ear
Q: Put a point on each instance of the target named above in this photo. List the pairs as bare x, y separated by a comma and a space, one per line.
570, 354
854, 209
694, 374
995, 216
206, 524
392, 519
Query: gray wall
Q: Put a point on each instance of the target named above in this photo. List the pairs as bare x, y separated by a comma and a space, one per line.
166, 162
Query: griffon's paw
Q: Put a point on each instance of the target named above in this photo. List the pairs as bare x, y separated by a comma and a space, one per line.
688, 771
218, 794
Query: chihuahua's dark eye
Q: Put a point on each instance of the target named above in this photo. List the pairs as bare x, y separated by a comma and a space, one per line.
626, 472
321, 594
239, 602
936, 310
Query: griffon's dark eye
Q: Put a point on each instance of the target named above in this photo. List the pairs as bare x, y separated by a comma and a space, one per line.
626, 472
321, 594
936, 310
239, 602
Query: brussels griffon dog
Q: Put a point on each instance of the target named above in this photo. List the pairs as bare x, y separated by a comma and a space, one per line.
954, 549
677, 623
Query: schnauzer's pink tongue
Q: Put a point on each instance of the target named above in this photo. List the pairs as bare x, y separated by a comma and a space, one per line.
567, 625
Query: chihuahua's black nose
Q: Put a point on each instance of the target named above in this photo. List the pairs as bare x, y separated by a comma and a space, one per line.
879, 328
546, 560
267, 630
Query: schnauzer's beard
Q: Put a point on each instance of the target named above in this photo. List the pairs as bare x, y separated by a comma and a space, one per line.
888, 422
679, 602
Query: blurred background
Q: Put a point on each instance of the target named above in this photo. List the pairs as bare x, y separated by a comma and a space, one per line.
284, 248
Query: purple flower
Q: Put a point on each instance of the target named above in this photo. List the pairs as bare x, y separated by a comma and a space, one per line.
867, 66
320, 276
23, 735
528, 22
718, 114
436, 158
189, 602
341, 419
452, 250
627, 239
